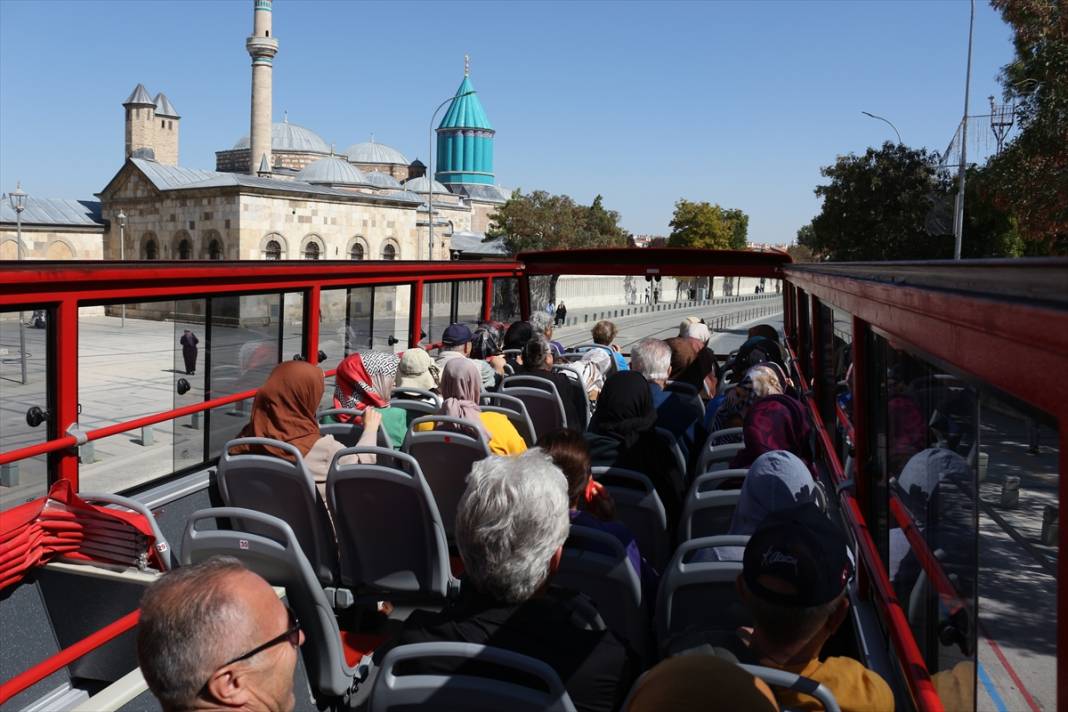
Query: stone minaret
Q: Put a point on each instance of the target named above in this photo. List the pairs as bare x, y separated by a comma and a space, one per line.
262, 48
140, 123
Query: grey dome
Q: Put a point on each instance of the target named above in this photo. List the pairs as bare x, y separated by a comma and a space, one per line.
382, 180
371, 152
332, 171
418, 185
291, 137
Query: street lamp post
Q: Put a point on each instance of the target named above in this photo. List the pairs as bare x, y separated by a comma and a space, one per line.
17, 198
880, 118
430, 175
958, 213
122, 253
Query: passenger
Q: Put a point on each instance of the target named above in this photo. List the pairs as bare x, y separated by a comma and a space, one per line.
486, 346
694, 328
538, 361
542, 325
776, 481
604, 333
693, 364
731, 411
622, 434
517, 335
365, 380
285, 409
417, 370
511, 525
794, 579
679, 413
460, 386
700, 683
215, 636
590, 503
774, 422
456, 343
599, 363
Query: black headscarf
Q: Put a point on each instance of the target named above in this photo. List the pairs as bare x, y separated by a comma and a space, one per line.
518, 335
624, 408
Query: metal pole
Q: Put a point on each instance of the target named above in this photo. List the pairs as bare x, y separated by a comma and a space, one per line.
22, 320
958, 216
880, 118
122, 255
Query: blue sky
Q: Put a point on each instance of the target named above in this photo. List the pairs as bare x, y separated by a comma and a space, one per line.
645, 103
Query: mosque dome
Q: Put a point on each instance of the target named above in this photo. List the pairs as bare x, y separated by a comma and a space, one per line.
332, 171
418, 185
371, 152
291, 137
381, 180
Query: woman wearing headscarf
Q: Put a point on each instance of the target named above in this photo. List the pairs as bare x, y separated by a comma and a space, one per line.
365, 380
759, 381
515, 338
774, 422
461, 384
777, 480
693, 363
622, 434
417, 370
285, 408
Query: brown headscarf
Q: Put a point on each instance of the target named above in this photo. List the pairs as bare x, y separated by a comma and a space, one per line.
285, 408
691, 361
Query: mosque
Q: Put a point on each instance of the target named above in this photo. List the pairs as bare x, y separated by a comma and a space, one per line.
281, 192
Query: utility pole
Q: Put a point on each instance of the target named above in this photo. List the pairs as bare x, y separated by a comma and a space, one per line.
958, 215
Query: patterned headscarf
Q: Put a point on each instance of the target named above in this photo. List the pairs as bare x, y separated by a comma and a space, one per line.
365, 379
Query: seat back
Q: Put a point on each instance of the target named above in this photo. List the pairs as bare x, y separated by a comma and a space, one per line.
282, 489
707, 513
719, 480
275, 554
419, 395
638, 506
595, 563
716, 457
446, 458
390, 537
162, 547
668, 439
348, 434
699, 598
514, 409
467, 689
790, 681
681, 387
541, 399
583, 348
575, 377
724, 436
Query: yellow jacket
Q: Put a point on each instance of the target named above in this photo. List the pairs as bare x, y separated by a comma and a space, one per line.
504, 438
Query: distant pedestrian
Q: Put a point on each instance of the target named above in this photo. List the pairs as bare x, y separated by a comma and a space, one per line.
561, 313
189, 343
550, 309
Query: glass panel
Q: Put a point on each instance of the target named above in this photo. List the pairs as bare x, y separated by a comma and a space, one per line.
23, 385
360, 310
505, 300
390, 329
293, 325
437, 305
332, 309
190, 375
542, 287
468, 302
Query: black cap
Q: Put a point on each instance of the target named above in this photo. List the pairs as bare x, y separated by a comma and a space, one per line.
802, 548
456, 334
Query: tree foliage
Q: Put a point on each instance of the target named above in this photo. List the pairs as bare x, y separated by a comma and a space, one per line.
709, 226
542, 221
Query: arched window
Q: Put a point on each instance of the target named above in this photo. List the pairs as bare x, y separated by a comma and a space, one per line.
311, 251
389, 252
185, 250
273, 251
215, 251
356, 252
151, 249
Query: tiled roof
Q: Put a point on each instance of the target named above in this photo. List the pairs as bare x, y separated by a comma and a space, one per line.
54, 211
139, 96
465, 111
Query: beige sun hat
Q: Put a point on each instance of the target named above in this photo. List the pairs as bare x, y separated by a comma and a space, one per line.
417, 370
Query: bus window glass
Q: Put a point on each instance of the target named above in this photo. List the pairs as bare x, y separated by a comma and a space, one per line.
505, 300
468, 302
357, 328
23, 342
190, 346
390, 328
437, 302
292, 325
332, 308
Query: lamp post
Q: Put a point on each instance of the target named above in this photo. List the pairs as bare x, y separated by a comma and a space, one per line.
122, 253
880, 118
958, 213
17, 198
430, 175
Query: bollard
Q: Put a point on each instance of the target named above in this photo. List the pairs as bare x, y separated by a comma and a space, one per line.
1010, 492
9, 474
195, 421
983, 466
1050, 525
147, 438
87, 453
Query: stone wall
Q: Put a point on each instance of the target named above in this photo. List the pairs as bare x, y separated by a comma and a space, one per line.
236, 160
52, 243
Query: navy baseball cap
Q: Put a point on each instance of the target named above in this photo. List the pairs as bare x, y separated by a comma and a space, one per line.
456, 334
802, 549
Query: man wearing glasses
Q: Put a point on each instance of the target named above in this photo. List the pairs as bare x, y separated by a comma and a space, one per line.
215, 636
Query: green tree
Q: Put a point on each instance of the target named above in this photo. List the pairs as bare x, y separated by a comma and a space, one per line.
705, 225
542, 221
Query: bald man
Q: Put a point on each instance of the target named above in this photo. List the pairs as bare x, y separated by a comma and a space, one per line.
215, 636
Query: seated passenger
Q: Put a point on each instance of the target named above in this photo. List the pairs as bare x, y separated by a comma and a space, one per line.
775, 422
460, 386
598, 365
285, 409
542, 325
515, 337
214, 635
511, 525
365, 380
776, 481
679, 413
486, 346
794, 577
604, 333
590, 503
694, 365
622, 434
456, 343
700, 683
538, 361
730, 412
695, 328
417, 370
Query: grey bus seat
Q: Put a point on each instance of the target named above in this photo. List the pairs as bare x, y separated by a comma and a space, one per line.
514, 409
419, 395
595, 563
716, 457
348, 434
390, 537
275, 554
446, 458
698, 601
717, 480
716, 435
541, 398
162, 547
583, 348
283, 489
638, 506
707, 513
467, 689
572, 373
676, 453
791, 681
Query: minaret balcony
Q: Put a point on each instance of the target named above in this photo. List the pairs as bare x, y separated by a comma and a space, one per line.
266, 47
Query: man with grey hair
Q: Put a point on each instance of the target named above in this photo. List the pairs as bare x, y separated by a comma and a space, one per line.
511, 524
680, 413
214, 636
541, 323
